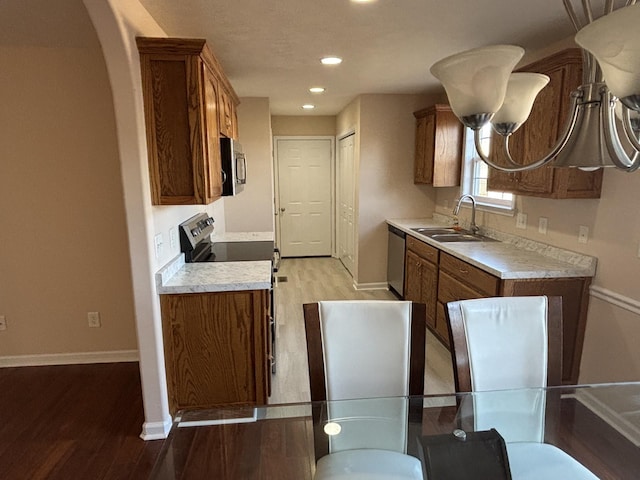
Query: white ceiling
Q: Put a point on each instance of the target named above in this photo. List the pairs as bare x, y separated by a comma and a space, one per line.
272, 48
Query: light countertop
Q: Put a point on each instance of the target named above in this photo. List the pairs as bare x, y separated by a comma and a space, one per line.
511, 257
180, 277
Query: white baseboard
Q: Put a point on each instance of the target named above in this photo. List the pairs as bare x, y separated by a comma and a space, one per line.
371, 286
69, 358
155, 430
614, 298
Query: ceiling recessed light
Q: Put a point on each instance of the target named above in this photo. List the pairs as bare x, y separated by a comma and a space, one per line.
316, 89
331, 60
308, 106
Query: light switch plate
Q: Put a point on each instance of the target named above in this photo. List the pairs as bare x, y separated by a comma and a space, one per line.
521, 221
583, 234
542, 225
158, 244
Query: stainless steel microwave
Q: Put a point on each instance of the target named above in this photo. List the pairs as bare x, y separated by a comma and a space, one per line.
234, 167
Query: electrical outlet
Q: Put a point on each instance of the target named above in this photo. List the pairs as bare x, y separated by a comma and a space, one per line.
94, 319
542, 225
583, 234
158, 241
3, 322
173, 240
521, 221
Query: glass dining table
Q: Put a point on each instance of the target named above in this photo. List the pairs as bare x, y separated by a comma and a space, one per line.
585, 431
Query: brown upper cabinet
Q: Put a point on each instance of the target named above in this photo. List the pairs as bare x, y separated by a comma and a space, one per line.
438, 155
540, 133
188, 105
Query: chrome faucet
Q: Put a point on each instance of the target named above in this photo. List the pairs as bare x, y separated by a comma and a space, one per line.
474, 228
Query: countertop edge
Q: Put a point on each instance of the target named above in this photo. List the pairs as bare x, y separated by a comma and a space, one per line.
574, 264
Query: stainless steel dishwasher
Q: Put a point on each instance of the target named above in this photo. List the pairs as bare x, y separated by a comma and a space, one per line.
395, 261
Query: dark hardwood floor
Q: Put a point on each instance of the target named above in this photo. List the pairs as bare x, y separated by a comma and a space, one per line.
73, 422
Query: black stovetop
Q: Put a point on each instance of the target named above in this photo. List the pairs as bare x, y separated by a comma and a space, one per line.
238, 252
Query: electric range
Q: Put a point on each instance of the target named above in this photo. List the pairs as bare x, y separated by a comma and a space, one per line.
197, 246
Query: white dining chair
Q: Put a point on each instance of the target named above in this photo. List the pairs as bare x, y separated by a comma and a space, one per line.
374, 351
507, 348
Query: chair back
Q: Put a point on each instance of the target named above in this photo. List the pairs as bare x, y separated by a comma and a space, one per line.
506, 342
366, 350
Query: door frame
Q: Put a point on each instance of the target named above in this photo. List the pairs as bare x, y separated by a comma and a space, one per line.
349, 133
332, 181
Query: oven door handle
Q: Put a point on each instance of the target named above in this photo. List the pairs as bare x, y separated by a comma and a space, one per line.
276, 259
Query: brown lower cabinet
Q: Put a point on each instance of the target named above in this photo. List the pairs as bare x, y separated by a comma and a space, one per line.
217, 348
459, 280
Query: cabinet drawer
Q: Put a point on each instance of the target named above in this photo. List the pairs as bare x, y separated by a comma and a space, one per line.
478, 279
450, 289
425, 251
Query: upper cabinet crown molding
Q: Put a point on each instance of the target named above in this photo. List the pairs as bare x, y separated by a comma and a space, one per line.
189, 103
539, 134
438, 154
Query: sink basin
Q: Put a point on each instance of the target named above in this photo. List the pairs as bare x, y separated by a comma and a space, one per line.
428, 231
457, 237
451, 234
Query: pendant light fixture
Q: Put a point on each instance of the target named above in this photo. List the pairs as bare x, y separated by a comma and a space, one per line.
481, 88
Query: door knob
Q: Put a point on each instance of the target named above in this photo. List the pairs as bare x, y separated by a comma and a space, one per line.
282, 209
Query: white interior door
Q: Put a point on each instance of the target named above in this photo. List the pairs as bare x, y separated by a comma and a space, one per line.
304, 199
346, 203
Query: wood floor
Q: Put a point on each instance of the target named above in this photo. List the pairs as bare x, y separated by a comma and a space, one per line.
75, 422
306, 280
82, 422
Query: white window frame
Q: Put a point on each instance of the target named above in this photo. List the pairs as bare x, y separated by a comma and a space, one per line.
500, 203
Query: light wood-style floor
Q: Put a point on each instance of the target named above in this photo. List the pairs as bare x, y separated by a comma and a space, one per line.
306, 280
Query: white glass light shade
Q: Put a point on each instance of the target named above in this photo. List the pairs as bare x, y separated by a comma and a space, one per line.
476, 80
522, 90
614, 40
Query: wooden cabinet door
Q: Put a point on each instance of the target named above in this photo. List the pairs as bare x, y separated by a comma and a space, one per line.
438, 154
182, 81
213, 170
413, 277
421, 276
429, 290
215, 348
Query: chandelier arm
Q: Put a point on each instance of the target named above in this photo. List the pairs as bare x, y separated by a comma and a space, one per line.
570, 126
586, 6
617, 152
572, 14
608, 7
628, 130
508, 152
517, 167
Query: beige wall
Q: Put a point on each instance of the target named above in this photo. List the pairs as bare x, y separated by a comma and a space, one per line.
252, 209
311, 125
63, 239
385, 178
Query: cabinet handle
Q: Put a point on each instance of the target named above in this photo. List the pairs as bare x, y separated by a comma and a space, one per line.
463, 271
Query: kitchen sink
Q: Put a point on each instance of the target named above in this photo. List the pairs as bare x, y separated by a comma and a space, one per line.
451, 234
428, 231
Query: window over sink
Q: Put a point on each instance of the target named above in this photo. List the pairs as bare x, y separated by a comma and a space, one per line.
475, 174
